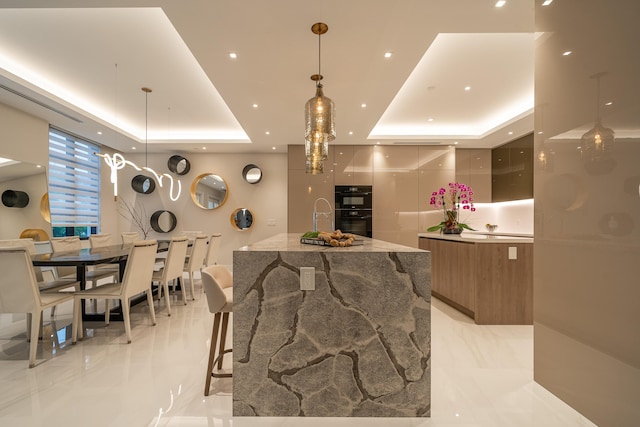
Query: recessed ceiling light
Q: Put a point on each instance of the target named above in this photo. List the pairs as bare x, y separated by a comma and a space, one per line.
267, 133
233, 55
255, 105
133, 148
510, 133
547, 2
363, 105
609, 103
455, 142
273, 148
99, 132
567, 53
387, 54
540, 133
378, 143
204, 148
500, 3
430, 119
467, 88
350, 132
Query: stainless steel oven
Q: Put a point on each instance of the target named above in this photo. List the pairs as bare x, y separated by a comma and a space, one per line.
354, 209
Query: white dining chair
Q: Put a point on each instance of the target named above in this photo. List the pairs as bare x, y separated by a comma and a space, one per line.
211, 258
172, 269
217, 281
48, 280
194, 263
102, 241
136, 280
128, 237
19, 293
92, 276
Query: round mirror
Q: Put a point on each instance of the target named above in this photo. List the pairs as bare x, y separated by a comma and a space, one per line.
179, 165
241, 219
209, 191
163, 221
252, 174
143, 184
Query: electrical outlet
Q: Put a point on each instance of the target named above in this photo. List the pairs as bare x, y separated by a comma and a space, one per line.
513, 252
307, 278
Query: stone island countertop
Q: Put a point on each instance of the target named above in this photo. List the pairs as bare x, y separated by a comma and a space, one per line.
358, 344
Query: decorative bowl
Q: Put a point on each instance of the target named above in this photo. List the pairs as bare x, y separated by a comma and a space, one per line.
491, 227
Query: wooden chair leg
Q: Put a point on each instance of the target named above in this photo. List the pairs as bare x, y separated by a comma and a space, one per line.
223, 339
34, 332
212, 352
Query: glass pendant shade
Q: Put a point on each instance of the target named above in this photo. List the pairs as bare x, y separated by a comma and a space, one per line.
597, 143
319, 113
314, 165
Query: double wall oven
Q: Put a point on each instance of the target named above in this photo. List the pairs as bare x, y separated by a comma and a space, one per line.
354, 209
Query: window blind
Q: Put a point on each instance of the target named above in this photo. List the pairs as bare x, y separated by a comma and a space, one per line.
74, 181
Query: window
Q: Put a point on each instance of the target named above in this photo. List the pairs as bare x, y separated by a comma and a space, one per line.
74, 185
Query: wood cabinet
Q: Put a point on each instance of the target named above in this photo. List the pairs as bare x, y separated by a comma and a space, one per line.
480, 279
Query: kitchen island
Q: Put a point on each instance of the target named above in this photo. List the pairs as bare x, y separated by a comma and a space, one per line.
357, 344
487, 277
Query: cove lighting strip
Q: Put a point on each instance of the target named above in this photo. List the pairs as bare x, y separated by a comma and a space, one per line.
117, 162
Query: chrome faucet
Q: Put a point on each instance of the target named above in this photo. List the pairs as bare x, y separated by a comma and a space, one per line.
324, 214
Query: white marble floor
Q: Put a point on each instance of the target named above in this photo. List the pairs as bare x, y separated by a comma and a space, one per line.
481, 376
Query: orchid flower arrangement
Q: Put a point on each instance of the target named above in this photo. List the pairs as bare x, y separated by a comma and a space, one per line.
458, 197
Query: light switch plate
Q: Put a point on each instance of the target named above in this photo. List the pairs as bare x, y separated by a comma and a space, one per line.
513, 252
307, 278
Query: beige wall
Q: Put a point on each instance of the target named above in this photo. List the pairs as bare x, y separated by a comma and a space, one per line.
587, 213
266, 199
23, 137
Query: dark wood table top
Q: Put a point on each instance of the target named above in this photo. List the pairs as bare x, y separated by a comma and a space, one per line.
85, 256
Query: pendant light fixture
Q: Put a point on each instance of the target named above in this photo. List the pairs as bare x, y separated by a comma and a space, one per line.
319, 114
142, 183
597, 143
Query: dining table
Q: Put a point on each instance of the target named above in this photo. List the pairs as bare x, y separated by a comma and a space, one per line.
82, 259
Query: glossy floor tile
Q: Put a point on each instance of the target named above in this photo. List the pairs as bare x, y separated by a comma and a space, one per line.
482, 376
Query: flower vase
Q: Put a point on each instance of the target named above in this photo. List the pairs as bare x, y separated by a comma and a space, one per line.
452, 230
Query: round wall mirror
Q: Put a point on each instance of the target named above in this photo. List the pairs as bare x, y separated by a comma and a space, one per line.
241, 219
209, 191
252, 174
143, 184
179, 165
163, 221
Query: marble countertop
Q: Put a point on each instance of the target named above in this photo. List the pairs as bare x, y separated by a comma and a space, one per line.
290, 242
477, 238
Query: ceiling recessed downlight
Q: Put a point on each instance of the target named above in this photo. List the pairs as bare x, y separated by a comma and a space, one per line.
567, 53
387, 54
547, 2
233, 55
255, 105
363, 105
467, 88
501, 3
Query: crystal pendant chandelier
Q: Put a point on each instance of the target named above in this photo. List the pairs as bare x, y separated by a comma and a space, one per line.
319, 114
596, 143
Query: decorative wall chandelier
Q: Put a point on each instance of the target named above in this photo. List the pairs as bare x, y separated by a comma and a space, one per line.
319, 114
597, 143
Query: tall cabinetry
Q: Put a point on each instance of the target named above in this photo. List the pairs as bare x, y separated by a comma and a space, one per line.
512, 170
473, 168
402, 178
304, 189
